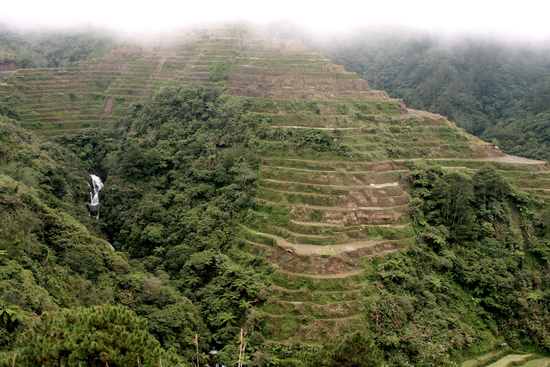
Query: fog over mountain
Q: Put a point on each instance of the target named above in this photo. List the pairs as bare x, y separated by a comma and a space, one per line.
488, 17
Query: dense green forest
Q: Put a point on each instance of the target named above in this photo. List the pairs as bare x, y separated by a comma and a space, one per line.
170, 190
51, 49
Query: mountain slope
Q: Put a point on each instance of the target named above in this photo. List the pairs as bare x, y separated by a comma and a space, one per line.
365, 216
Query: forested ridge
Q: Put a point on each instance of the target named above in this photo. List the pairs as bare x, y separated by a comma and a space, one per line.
496, 89
53, 48
181, 179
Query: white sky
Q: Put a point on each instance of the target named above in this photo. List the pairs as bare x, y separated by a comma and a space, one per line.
521, 18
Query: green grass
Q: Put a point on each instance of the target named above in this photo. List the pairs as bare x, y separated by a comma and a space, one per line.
541, 362
297, 282
509, 358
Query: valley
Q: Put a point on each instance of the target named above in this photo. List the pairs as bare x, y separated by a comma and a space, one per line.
349, 201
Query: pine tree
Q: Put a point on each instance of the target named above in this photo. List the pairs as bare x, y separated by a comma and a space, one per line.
90, 337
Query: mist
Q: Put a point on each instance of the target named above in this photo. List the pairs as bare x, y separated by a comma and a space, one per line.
479, 18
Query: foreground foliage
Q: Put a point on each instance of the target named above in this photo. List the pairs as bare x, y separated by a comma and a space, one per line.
355, 350
91, 337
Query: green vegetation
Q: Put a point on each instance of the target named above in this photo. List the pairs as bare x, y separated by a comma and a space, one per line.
219, 70
177, 280
89, 337
258, 224
39, 49
471, 223
181, 175
355, 349
494, 89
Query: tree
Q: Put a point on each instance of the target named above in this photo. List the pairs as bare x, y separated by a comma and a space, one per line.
434, 355
354, 350
90, 337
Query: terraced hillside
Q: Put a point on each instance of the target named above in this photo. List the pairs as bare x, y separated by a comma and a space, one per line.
248, 62
324, 214
332, 189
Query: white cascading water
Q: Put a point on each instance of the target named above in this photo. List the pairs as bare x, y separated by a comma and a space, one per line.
97, 184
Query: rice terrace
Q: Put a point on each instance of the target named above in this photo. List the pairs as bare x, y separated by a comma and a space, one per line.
256, 204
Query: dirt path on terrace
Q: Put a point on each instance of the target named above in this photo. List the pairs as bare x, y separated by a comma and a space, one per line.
505, 159
342, 208
305, 249
330, 162
322, 128
331, 171
108, 106
325, 276
353, 187
278, 287
341, 225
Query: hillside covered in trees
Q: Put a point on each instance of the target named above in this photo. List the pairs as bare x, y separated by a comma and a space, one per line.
280, 204
496, 89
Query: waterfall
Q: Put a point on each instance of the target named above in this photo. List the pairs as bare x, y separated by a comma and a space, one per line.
97, 184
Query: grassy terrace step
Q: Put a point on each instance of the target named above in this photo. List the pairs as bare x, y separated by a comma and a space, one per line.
382, 190
64, 109
356, 237
505, 361
307, 295
350, 217
100, 101
311, 330
345, 282
376, 232
281, 56
476, 164
52, 117
537, 362
324, 311
315, 240
332, 178
313, 121
525, 175
307, 221
275, 149
543, 193
307, 245
325, 86
307, 95
270, 77
352, 199
25, 113
62, 126
284, 63
274, 107
431, 151
534, 184
332, 165
75, 120
364, 210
